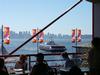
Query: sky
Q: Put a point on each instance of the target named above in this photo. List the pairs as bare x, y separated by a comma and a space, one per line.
25, 15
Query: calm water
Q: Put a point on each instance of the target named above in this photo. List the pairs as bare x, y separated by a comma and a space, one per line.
31, 48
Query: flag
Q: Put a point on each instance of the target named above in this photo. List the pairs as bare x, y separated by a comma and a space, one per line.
38, 38
6, 35
34, 40
73, 36
79, 35
41, 36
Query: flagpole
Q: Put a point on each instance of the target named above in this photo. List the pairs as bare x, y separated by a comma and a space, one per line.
76, 39
2, 39
37, 41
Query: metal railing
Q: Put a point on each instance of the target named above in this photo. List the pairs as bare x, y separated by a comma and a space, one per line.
33, 55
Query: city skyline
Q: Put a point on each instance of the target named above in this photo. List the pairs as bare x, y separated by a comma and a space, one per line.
27, 34
25, 15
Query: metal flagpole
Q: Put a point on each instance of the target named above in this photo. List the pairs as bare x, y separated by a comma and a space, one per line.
2, 39
37, 41
76, 39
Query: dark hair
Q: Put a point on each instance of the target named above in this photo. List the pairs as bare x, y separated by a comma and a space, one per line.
64, 55
23, 57
1, 63
40, 56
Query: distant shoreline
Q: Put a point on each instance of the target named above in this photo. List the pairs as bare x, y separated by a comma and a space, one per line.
26, 35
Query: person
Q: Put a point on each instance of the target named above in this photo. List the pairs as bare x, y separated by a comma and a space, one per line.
94, 57
75, 70
3, 69
21, 64
41, 67
68, 62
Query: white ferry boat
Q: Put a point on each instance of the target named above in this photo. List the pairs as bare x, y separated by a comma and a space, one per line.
51, 46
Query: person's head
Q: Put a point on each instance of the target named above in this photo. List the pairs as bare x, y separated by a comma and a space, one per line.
40, 57
96, 42
1, 63
64, 55
23, 58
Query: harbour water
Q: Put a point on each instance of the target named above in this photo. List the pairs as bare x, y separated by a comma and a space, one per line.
31, 48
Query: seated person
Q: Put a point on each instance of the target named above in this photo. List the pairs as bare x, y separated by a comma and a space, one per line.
75, 71
41, 67
21, 64
69, 63
3, 69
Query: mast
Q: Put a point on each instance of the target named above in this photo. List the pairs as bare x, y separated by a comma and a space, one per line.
37, 41
76, 39
2, 39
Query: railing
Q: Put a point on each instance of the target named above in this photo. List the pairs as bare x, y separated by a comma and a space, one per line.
33, 55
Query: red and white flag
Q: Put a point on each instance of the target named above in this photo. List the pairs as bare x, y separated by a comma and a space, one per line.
73, 36
34, 40
41, 36
79, 35
38, 38
6, 35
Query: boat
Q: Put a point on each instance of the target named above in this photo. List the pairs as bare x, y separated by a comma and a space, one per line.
51, 46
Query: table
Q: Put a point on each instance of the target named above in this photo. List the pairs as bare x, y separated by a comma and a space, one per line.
19, 72
65, 71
